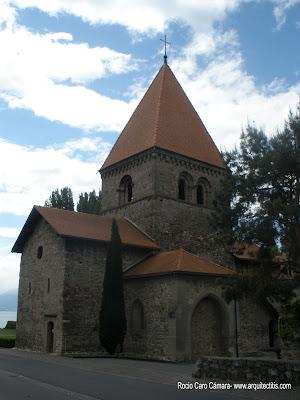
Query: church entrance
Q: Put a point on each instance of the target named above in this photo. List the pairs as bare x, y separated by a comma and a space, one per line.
209, 329
50, 337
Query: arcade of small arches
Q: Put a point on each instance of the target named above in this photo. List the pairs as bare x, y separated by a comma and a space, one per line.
193, 193
198, 193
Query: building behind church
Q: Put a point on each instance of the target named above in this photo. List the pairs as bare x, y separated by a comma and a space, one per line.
159, 182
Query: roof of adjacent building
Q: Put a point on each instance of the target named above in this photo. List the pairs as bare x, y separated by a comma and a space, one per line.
176, 261
82, 226
166, 119
244, 251
250, 252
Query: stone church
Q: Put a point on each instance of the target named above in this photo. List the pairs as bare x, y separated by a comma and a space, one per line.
159, 182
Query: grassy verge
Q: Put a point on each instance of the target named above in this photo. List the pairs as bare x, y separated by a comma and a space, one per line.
8, 333
7, 338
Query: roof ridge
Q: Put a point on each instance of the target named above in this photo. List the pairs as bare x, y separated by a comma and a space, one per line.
163, 69
131, 116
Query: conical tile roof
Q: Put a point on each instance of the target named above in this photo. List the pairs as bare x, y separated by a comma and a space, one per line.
165, 118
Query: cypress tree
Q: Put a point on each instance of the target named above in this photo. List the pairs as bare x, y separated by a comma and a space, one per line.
112, 314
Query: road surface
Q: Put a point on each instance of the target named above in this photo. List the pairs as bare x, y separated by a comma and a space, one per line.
34, 376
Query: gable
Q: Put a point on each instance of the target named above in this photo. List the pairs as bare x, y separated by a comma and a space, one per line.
82, 226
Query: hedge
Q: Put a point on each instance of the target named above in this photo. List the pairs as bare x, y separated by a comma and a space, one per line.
10, 325
7, 342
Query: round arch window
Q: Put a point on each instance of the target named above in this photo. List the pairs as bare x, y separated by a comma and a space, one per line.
40, 252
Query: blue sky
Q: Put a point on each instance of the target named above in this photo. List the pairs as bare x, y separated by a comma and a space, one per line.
72, 72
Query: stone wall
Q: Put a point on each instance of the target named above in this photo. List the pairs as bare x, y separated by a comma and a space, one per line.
156, 208
158, 297
38, 306
85, 267
192, 290
247, 369
253, 324
64, 286
141, 170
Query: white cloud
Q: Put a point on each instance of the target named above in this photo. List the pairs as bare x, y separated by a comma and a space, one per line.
9, 269
142, 16
227, 97
27, 177
41, 170
36, 67
281, 7
9, 232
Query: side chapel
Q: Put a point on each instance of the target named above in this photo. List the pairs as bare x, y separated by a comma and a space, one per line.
159, 182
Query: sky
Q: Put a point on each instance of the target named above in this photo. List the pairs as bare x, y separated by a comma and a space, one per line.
72, 72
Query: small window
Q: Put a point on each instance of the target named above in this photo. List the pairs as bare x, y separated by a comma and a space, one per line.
137, 317
181, 189
200, 194
125, 190
48, 285
40, 252
129, 192
29, 288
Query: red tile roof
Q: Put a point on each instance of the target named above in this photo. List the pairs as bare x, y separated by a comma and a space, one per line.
165, 118
176, 261
244, 251
83, 226
250, 252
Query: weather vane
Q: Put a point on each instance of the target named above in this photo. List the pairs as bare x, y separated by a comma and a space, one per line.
165, 42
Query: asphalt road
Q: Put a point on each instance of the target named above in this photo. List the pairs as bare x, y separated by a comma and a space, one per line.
26, 375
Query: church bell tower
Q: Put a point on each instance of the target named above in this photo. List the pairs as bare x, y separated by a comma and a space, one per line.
164, 170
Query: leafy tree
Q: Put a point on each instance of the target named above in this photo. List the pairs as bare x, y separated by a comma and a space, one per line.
89, 202
62, 198
262, 191
112, 314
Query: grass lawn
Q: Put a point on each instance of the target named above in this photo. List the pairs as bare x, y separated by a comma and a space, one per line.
8, 333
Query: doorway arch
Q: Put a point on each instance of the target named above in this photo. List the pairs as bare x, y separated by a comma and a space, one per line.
209, 328
50, 337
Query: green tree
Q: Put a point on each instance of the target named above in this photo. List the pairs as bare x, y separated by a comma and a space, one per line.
62, 198
262, 191
89, 202
112, 314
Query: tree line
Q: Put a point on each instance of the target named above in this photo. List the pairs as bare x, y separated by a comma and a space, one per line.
88, 202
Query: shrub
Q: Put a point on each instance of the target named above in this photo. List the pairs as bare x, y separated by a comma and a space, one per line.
7, 342
10, 325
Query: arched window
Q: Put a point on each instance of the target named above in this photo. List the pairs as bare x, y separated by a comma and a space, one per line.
125, 190
185, 184
203, 192
137, 317
200, 194
181, 189
40, 252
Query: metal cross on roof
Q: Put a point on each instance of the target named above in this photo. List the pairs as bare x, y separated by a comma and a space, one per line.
165, 42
